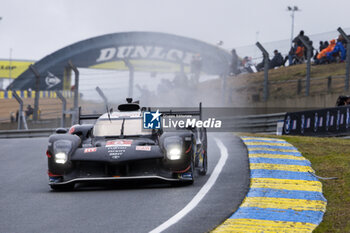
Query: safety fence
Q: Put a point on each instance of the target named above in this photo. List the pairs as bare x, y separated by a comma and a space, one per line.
283, 46
306, 80
49, 108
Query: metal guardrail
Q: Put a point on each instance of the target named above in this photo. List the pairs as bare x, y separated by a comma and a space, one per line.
265, 123
31, 133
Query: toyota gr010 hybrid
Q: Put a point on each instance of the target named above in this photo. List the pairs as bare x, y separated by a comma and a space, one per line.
117, 147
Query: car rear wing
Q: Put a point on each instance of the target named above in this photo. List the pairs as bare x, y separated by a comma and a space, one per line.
170, 112
184, 112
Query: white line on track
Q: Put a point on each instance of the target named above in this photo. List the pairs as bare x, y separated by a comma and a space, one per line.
202, 192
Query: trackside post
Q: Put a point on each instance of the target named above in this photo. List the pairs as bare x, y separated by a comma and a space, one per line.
37, 90
64, 105
340, 30
76, 91
266, 70
21, 117
308, 64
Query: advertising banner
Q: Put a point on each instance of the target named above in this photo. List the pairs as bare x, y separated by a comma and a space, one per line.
12, 69
322, 122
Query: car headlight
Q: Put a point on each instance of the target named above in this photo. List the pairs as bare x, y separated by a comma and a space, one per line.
174, 153
61, 157
61, 150
173, 146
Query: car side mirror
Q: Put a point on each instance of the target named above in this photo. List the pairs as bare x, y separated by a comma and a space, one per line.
61, 130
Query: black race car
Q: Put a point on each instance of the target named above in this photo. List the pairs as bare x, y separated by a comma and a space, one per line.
117, 148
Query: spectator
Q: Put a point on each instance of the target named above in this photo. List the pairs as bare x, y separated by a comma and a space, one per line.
299, 53
277, 60
301, 34
292, 57
261, 65
343, 100
298, 42
29, 112
247, 65
321, 57
12, 117
321, 47
325, 45
234, 63
337, 50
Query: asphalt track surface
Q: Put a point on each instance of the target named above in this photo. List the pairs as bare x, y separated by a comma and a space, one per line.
28, 205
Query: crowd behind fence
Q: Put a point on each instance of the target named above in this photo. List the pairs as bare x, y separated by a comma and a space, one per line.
283, 46
17, 106
315, 49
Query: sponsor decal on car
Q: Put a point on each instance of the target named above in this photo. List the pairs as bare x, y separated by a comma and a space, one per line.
143, 148
116, 152
88, 150
118, 143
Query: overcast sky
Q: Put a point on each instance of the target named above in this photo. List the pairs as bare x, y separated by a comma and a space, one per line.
36, 28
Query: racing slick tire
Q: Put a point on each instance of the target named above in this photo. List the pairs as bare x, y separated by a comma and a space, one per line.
204, 166
203, 170
192, 171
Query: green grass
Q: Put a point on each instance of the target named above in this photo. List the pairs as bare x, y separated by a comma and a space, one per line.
330, 157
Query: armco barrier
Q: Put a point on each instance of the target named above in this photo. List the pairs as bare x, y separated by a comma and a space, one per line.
264, 123
26, 133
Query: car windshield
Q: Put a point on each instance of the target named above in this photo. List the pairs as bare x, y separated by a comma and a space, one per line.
113, 127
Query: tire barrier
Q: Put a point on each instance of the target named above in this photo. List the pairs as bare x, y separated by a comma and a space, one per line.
283, 195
